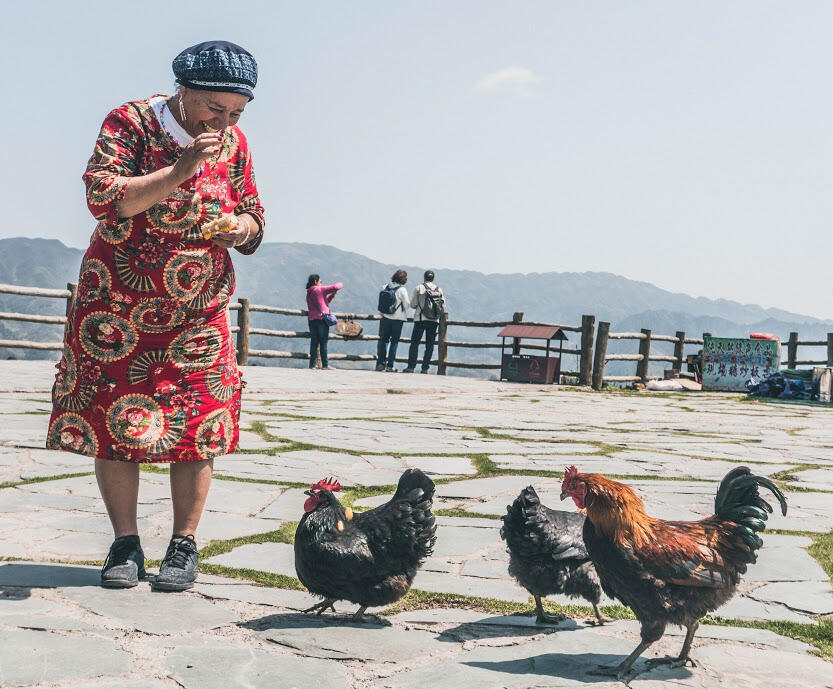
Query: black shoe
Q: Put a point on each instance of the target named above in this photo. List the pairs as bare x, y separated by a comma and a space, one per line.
425, 370
390, 369
380, 367
407, 370
178, 570
125, 564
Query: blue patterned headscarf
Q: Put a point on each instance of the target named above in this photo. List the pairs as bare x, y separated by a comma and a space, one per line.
217, 66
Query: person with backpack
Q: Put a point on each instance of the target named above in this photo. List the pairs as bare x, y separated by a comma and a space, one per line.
393, 307
429, 304
318, 309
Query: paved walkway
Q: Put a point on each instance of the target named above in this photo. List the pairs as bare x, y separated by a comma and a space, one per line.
58, 629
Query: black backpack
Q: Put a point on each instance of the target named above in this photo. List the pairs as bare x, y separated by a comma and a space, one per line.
387, 300
434, 305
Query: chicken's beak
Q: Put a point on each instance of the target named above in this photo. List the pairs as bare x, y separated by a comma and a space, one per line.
310, 493
564, 494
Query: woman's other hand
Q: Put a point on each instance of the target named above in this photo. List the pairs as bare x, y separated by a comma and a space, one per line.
200, 149
236, 230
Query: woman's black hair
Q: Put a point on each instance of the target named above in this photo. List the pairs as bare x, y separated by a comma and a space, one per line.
400, 277
312, 279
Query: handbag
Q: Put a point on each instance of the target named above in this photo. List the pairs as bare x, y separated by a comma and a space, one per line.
329, 319
348, 329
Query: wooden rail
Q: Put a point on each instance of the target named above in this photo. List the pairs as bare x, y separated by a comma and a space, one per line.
591, 352
584, 352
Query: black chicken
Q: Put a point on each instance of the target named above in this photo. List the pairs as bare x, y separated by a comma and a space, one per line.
370, 558
547, 553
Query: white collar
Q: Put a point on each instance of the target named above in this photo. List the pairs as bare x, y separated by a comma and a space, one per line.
168, 122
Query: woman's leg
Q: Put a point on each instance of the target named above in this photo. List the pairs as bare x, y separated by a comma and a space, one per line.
323, 338
313, 344
396, 333
119, 486
384, 336
189, 489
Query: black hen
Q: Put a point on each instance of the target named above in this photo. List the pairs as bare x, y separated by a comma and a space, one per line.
370, 558
547, 553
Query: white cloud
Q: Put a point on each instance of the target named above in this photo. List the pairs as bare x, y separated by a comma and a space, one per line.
518, 81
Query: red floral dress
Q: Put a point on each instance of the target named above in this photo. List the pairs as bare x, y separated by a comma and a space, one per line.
148, 371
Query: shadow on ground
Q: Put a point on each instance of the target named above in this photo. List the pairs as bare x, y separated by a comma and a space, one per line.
299, 620
575, 667
47, 576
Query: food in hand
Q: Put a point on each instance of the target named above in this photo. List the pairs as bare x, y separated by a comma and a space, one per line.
223, 224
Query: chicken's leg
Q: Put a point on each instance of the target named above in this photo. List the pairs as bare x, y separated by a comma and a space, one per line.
318, 608
683, 659
600, 619
625, 666
358, 616
543, 618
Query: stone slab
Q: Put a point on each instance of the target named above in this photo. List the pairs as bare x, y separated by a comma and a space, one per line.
152, 613
28, 657
224, 666
263, 595
278, 558
341, 639
813, 597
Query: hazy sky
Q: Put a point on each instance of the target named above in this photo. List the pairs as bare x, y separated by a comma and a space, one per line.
686, 144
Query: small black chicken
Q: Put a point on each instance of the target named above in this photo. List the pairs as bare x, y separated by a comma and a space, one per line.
547, 553
370, 558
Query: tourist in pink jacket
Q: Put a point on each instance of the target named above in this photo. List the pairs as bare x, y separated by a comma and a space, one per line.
318, 304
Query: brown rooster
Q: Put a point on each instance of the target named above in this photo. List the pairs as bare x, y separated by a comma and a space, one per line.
669, 572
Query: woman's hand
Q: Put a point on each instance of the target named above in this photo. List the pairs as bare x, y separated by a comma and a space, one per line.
200, 149
236, 230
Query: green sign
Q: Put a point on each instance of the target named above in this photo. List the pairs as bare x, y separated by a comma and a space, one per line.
729, 362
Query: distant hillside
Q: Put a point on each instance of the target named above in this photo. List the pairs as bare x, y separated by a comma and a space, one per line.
277, 273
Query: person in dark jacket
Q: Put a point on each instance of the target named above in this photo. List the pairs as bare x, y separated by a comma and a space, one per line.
429, 303
390, 325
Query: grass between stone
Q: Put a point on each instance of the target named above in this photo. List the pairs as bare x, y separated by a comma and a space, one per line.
43, 479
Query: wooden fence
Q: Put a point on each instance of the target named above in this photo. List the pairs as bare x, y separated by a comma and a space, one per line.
590, 357
245, 331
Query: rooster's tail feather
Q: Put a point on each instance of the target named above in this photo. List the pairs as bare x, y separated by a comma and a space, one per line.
738, 500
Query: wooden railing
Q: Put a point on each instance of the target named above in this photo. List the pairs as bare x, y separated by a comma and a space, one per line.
643, 357
591, 357
245, 331
793, 343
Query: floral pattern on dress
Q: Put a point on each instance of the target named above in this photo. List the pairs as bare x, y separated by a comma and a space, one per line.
148, 372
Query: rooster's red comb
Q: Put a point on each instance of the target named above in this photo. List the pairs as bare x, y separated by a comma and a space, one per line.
329, 484
570, 473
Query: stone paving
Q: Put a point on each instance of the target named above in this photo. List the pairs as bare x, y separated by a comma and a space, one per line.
59, 629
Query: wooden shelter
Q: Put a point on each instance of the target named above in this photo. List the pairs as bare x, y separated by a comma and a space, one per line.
530, 368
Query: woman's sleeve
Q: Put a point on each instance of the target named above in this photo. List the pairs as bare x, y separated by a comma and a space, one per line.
115, 160
249, 199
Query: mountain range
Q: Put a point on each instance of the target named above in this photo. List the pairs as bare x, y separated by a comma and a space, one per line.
276, 275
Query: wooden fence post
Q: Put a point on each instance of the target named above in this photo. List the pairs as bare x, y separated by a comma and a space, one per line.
792, 350
243, 332
599, 355
73, 290
679, 348
588, 325
830, 349
517, 317
645, 351
442, 346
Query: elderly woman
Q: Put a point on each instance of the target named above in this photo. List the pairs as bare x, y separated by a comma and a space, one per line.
148, 372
